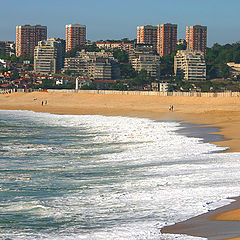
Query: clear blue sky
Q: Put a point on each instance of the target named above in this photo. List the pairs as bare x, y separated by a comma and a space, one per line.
116, 19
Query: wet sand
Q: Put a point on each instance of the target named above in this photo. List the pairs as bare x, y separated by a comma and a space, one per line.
220, 113
214, 225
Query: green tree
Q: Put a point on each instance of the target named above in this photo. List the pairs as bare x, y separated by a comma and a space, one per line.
89, 87
167, 64
118, 86
181, 47
224, 70
142, 79
91, 48
127, 71
121, 55
47, 83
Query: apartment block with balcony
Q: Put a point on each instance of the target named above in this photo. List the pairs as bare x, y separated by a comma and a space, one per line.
49, 56
196, 37
94, 65
115, 45
190, 64
75, 36
27, 38
146, 61
147, 35
166, 39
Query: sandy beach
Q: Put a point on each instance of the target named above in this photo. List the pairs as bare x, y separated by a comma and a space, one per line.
223, 113
217, 112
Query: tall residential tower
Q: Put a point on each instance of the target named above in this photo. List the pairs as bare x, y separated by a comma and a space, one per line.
196, 37
75, 36
166, 39
147, 35
27, 37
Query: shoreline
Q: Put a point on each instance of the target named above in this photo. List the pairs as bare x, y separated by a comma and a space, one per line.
217, 224
222, 114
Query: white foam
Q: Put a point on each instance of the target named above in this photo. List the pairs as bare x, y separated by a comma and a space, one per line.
163, 177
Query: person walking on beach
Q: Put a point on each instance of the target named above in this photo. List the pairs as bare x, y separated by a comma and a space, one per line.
172, 108
46, 102
42, 103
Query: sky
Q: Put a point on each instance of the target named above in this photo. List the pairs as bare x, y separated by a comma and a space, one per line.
117, 19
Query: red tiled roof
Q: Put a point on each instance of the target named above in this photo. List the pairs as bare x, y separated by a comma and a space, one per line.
5, 85
104, 81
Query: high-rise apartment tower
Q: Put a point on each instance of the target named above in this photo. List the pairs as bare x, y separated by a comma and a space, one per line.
196, 37
75, 36
147, 35
27, 37
166, 39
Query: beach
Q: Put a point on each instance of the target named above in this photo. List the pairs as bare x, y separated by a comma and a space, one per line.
218, 112
222, 113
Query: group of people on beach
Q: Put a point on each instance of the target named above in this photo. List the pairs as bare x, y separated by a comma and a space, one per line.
171, 108
43, 102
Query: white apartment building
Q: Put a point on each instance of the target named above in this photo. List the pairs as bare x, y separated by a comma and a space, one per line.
163, 87
94, 65
191, 64
235, 68
145, 61
160, 87
48, 56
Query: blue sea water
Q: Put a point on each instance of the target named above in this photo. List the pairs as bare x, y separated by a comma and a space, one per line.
95, 177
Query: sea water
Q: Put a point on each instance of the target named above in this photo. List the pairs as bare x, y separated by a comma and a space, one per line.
96, 177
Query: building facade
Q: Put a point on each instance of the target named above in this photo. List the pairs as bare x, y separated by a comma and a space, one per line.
75, 36
234, 69
147, 35
27, 37
160, 87
7, 48
146, 61
166, 39
143, 47
100, 68
49, 56
112, 45
94, 65
196, 37
190, 65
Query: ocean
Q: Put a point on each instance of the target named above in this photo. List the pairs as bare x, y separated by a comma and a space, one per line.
95, 177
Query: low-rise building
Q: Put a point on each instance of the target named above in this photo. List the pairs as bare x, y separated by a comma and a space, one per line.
160, 87
103, 84
113, 45
163, 87
144, 47
81, 81
61, 82
190, 65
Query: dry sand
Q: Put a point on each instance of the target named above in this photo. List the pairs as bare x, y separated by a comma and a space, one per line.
223, 113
